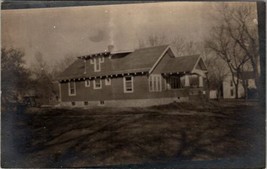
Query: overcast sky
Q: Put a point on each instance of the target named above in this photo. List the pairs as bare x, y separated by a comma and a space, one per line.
60, 32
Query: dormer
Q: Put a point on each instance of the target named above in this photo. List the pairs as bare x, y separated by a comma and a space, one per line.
95, 59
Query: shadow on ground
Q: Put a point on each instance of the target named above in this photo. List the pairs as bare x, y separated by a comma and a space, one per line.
177, 132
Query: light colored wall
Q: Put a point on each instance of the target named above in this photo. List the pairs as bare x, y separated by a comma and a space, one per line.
227, 89
213, 94
251, 83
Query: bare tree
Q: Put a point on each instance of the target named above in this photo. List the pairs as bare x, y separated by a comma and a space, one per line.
153, 40
229, 51
181, 46
60, 65
240, 24
184, 47
40, 63
217, 73
43, 79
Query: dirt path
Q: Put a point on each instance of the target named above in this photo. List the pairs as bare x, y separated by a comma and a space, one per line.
100, 137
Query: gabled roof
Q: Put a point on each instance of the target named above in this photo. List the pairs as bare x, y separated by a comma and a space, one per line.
141, 60
179, 64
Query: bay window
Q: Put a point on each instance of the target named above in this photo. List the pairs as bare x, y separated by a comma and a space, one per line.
155, 84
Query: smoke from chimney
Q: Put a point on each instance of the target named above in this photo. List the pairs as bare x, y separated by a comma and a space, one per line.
110, 48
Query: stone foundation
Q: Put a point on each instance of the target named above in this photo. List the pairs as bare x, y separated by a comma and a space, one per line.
124, 103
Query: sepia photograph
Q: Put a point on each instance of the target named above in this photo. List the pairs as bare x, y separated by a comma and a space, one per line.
120, 84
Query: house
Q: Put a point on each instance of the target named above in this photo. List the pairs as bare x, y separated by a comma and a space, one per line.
143, 77
228, 87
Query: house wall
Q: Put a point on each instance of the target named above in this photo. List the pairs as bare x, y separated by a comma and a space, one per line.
227, 89
115, 91
213, 94
113, 95
251, 83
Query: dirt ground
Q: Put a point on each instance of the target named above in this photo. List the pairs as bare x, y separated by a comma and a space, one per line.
181, 134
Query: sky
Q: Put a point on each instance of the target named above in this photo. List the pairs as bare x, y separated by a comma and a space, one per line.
74, 31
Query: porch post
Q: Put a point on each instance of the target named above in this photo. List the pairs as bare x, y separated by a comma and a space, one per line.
187, 82
84, 66
59, 92
200, 80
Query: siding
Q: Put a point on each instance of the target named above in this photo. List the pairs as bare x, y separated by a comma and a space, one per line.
227, 89
115, 91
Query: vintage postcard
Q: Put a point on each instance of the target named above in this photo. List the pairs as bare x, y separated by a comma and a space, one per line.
133, 84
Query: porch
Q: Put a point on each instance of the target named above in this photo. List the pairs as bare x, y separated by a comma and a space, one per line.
178, 85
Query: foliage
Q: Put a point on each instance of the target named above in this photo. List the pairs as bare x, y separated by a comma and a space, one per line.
15, 77
43, 80
45, 76
60, 65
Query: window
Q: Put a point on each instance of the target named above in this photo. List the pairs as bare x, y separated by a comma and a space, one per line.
87, 83
102, 102
97, 66
108, 81
73, 103
97, 84
128, 84
155, 83
97, 63
86, 103
72, 88
194, 80
231, 84
101, 59
173, 82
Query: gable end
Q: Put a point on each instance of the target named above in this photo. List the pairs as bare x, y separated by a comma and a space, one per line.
160, 58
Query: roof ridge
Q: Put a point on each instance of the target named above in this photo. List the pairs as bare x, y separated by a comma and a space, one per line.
153, 47
188, 55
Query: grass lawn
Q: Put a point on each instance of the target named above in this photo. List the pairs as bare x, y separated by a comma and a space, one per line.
53, 137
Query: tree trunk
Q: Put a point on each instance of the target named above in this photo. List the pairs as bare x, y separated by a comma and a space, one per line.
245, 86
236, 89
256, 74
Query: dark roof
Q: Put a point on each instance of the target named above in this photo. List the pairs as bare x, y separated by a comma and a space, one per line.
178, 64
141, 60
93, 55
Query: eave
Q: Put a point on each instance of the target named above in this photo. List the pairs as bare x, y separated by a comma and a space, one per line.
86, 57
102, 76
